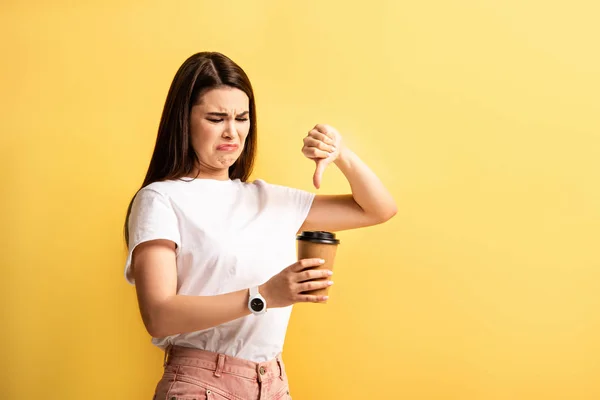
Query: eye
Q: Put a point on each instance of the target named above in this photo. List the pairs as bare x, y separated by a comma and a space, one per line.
214, 120
241, 119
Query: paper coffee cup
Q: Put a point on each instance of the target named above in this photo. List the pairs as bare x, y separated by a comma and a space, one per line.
318, 244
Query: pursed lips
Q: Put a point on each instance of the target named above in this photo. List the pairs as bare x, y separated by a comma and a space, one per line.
227, 147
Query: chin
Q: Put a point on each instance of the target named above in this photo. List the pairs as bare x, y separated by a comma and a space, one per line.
226, 162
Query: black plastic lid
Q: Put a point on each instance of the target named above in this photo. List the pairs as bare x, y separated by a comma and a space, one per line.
318, 237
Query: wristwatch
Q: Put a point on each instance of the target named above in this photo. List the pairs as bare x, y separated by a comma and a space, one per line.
256, 303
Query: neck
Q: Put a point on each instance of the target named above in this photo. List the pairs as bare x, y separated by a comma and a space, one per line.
222, 175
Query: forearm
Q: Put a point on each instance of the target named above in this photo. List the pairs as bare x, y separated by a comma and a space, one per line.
183, 314
367, 189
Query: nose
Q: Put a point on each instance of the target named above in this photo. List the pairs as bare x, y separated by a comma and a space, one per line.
230, 131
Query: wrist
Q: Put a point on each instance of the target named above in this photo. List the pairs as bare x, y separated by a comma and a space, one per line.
264, 292
343, 157
257, 304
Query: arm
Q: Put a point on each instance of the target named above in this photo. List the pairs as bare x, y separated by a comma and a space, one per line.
163, 311
370, 202
166, 313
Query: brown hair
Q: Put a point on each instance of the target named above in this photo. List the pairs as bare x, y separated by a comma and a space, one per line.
173, 156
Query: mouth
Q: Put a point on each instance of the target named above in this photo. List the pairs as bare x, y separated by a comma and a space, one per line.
228, 147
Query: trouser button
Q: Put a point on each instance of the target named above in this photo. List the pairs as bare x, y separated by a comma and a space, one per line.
261, 370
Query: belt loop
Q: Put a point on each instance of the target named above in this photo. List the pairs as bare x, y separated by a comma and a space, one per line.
220, 364
167, 354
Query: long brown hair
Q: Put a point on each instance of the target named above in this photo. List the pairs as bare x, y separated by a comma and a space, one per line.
173, 156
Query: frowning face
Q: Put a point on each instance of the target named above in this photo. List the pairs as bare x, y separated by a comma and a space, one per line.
219, 125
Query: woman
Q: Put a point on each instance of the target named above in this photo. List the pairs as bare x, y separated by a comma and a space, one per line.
205, 244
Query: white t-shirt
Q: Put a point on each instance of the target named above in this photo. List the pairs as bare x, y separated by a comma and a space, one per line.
230, 236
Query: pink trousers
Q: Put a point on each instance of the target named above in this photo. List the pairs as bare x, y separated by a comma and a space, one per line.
193, 374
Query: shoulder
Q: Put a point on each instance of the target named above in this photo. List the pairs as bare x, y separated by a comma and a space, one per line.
262, 184
162, 188
256, 185
152, 194
259, 183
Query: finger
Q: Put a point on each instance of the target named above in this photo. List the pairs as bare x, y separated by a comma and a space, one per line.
319, 144
313, 285
314, 153
307, 263
321, 137
325, 129
318, 176
312, 274
306, 298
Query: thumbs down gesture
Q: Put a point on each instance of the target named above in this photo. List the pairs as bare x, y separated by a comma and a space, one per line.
322, 144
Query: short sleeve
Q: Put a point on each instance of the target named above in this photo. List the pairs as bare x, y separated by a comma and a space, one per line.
152, 217
291, 205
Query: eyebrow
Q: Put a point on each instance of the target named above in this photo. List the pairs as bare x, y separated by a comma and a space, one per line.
222, 114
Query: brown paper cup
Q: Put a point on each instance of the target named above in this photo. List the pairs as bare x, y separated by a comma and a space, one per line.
318, 245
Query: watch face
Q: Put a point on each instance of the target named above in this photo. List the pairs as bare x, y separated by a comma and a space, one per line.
257, 305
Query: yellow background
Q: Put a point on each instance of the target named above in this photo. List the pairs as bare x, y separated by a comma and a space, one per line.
482, 117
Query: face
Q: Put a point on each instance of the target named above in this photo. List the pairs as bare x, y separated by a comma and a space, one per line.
219, 125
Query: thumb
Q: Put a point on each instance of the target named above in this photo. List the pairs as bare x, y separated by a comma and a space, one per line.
321, 165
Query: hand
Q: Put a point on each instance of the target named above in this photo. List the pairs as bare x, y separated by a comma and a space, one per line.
285, 288
322, 144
